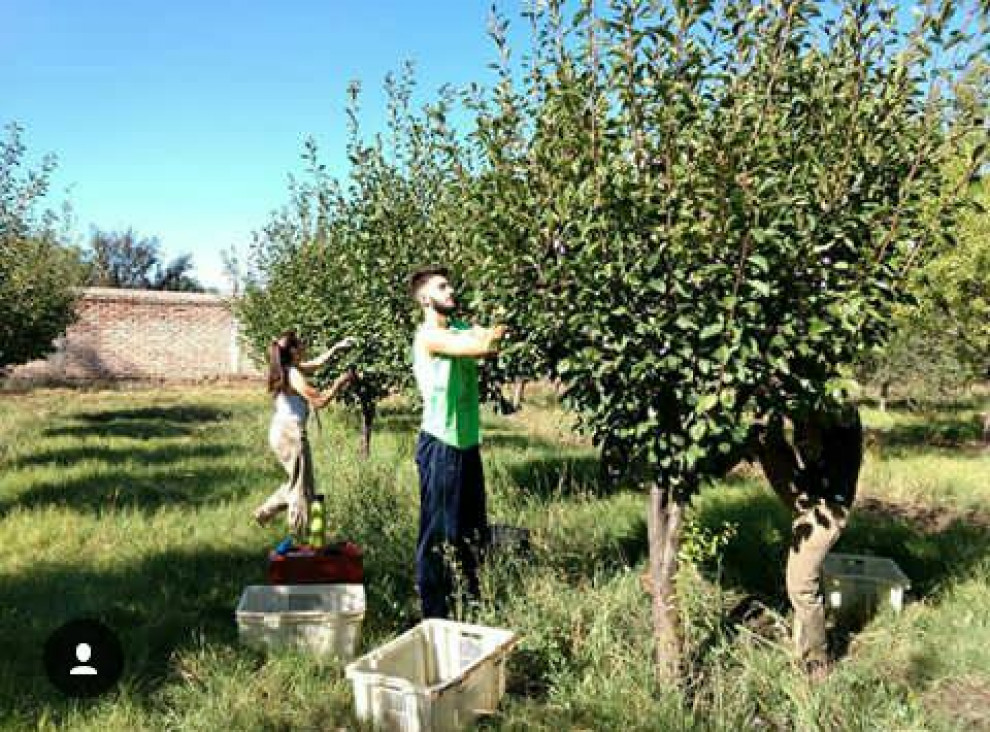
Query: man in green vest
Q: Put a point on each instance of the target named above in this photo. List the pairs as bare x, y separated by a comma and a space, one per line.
453, 522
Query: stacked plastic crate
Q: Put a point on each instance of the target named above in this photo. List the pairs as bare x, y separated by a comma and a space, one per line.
314, 599
440, 675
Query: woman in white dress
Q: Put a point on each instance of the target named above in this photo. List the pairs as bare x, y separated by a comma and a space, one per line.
287, 435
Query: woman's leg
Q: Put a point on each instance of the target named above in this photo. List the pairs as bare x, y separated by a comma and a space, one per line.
302, 486
288, 443
272, 505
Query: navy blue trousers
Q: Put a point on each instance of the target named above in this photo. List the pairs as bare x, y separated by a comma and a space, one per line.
453, 523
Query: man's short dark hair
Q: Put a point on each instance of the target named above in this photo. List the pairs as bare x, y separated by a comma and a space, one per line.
421, 276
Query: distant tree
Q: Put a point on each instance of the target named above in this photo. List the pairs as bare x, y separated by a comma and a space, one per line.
336, 260
233, 270
176, 276
959, 283
941, 341
126, 260
122, 259
37, 272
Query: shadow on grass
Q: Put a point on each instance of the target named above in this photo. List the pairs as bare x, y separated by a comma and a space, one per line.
144, 475
123, 488
156, 606
143, 423
147, 455
606, 549
935, 432
137, 430
559, 476
182, 414
960, 403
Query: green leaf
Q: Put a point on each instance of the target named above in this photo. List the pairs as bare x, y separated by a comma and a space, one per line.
760, 261
710, 330
706, 403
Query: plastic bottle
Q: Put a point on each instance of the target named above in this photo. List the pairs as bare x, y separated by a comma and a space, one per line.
317, 525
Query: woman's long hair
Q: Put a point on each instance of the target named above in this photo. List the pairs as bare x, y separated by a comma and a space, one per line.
280, 359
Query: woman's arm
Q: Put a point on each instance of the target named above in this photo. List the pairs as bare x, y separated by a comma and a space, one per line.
315, 364
302, 387
340, 383
314, 396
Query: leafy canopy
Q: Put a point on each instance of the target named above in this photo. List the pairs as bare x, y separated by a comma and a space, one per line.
697, 214
37, 272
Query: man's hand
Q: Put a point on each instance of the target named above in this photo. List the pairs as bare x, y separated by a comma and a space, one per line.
494, 336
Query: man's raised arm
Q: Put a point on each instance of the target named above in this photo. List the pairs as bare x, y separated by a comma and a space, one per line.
475, 343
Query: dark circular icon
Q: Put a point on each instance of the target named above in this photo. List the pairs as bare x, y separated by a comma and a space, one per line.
83, 658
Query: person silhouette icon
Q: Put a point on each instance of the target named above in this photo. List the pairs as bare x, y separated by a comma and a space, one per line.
83, 658
83, 653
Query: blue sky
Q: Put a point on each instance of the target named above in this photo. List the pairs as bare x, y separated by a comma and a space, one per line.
182, 119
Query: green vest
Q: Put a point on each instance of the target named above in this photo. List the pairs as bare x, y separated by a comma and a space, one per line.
449, 386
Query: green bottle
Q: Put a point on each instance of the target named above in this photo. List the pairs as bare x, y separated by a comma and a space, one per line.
317, 524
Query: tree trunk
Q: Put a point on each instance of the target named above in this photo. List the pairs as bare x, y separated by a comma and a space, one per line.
367, 419
665, 517
517, 395
884, 394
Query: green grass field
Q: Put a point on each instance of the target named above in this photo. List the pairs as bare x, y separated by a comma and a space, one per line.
134, 506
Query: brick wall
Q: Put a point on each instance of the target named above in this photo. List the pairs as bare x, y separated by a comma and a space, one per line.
145, 334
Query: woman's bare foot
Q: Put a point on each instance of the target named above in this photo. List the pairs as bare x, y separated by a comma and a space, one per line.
263, 515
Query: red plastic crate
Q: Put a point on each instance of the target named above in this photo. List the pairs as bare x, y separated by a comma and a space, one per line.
340, 563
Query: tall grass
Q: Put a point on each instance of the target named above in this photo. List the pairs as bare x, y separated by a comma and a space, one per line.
135, 507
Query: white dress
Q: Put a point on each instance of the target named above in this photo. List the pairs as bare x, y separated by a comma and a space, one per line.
287, 438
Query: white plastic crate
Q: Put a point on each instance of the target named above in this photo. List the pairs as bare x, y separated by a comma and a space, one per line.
855, 583
439, 676
322, 619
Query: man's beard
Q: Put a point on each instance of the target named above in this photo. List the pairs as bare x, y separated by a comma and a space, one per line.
442, 308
